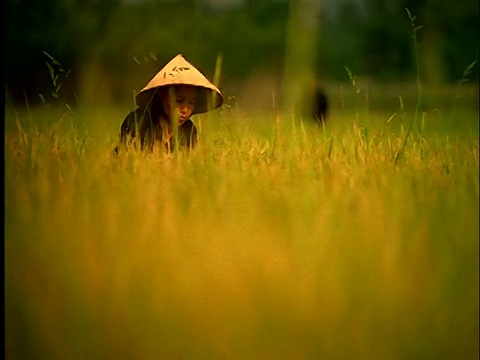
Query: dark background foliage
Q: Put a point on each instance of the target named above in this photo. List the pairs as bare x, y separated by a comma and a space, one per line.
105, 47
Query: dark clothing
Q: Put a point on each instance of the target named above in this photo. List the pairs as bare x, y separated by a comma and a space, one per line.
145, 124
320, 105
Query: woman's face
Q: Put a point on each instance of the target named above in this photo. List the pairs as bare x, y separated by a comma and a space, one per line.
179, 102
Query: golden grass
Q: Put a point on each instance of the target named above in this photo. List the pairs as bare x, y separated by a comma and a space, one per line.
271, 240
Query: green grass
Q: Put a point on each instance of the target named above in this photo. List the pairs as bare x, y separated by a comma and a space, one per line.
273, 239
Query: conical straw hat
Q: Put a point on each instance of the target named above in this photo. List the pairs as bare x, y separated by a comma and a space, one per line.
179, 71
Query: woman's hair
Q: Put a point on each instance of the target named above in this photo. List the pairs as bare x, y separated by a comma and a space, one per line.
156, 104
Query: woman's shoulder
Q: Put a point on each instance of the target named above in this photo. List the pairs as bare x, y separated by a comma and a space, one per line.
137, 113
187, 134
188, 124
136, 117
188, 127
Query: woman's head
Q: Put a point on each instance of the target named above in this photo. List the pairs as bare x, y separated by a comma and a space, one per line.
178, 101
177, 72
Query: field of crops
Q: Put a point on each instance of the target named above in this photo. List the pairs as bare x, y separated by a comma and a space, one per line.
274, 239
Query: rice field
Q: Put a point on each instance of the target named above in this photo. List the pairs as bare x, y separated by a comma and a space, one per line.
274, 239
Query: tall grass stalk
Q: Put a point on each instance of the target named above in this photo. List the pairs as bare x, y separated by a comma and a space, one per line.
415, 29
466, 73
56, 72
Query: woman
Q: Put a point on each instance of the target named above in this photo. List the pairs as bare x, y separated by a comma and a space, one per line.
162, 119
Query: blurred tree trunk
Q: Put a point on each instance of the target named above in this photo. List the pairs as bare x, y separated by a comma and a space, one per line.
431, 48
301, 48
430, 38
